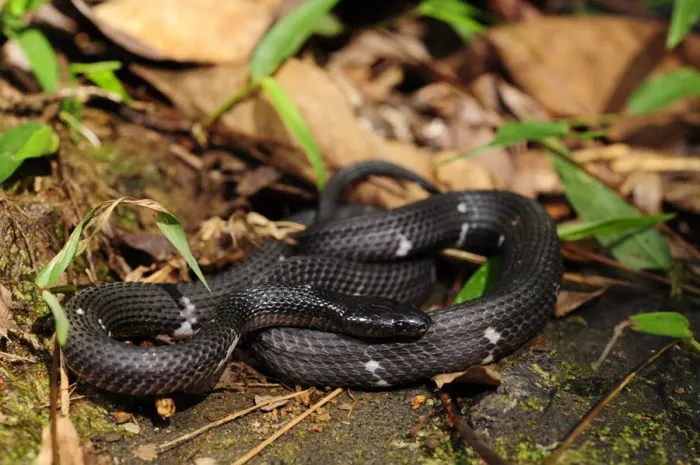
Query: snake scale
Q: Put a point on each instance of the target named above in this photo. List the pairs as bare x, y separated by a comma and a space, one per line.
339, 308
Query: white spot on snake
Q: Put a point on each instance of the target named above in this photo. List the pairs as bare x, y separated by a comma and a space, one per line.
501, 238
228, 352
372, 366
463, 234
184, 331
381, 382
189, 308
492, 335
281, 258
405, 246
80, 311
557, 286
101, 324
488, 359
462, 207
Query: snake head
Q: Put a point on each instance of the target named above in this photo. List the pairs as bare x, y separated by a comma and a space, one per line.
377, 317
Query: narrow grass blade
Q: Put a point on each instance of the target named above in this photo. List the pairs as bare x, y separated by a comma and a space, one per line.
295, 124
41, 57
55, 268
285, 38
171, 228
512, 133
482, 281
59, 316
663, 90
685, 14
577, 232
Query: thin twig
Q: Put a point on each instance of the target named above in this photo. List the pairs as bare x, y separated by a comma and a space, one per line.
468, 434
167, 445
53, 411
595, 411
420, 424
256, 450
614, 264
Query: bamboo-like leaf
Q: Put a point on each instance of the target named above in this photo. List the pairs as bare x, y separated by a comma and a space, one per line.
482, 281
286, 37
59, 316
580, 231
295, 125
171, 228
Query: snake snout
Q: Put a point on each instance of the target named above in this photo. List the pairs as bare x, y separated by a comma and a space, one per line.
385, 318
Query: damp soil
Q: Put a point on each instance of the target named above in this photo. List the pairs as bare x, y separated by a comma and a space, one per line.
547, 386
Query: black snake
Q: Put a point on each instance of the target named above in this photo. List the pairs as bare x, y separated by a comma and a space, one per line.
329, 282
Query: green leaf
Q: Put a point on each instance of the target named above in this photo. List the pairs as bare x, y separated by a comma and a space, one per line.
102, 74
482, 281
286, 37
580, 231
171, 228
295, 124
670, 324
19, 7
512, 133
29, 140
328, 25
459, 15
685, 14
51, 272
59, 316
663, 90
41, 57
98, 66
594, 202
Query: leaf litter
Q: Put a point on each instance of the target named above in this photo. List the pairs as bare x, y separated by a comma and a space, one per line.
383, 94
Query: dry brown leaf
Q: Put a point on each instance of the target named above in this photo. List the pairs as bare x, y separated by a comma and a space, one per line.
6, 322
535, 175
165, 406
132, 428
122, 417
568, 301
477, 374
147, 452
204, 461
324, 108
258, 179
69, 450
684, 194
646, 190
259, 399
184, 30
593, 65
417, 401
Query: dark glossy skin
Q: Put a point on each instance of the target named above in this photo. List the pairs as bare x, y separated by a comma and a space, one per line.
378, 254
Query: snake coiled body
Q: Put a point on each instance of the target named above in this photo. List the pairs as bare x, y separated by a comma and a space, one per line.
378, 254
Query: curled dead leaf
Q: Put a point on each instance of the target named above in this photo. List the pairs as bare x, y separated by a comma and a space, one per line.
165, 406
122, 417
568, 301
146, 452
203, 31
478, 374
69, 450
